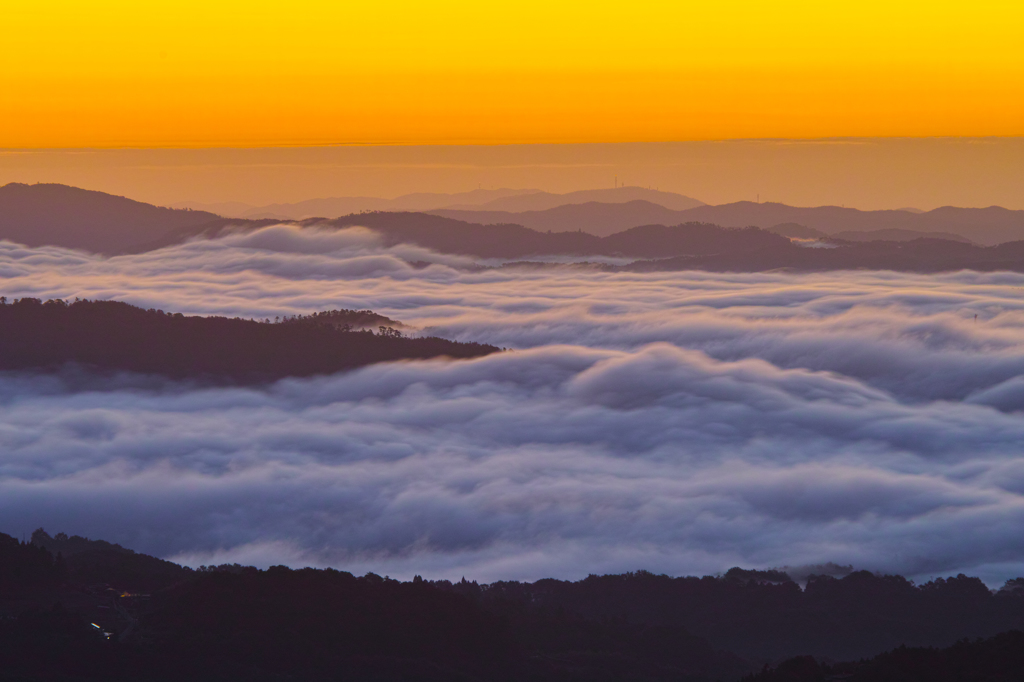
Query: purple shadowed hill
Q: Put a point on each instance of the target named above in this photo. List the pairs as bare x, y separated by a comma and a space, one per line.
113, 336
989, 226
58, 215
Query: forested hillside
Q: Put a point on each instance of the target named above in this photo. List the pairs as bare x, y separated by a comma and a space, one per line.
113, 336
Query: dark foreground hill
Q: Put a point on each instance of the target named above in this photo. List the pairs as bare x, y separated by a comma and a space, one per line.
158, 621
996, 659
113, 336
58, 215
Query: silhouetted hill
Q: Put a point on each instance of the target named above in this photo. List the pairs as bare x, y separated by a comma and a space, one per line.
996, 659
690, 246
240, 623
39, 215
896, 235
919, 255
92, 562
459, 237
990, 226
113, 336
25, 568
541, 201
697, 246
696, 239
796, 231
478, 199
599, 219
66, 216
766, 617
332, 207
514, 241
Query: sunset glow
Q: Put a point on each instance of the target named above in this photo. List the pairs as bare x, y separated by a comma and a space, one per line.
270, 73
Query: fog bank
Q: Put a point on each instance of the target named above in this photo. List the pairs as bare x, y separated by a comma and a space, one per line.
678, 422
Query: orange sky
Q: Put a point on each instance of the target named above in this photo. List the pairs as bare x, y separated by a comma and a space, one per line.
863, 173
260, 73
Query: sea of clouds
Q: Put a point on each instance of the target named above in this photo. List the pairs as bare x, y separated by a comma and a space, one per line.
678, 422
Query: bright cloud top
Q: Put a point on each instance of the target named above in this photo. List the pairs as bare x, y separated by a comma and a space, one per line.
679, 422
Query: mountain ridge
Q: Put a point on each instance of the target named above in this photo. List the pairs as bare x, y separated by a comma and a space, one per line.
477, 199
130, 616
111, 336
47, 214
653, 248
988, 226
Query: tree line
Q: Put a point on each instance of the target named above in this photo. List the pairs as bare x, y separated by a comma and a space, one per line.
167, 622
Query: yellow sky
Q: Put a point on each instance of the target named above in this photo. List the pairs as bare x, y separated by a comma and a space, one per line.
187, 73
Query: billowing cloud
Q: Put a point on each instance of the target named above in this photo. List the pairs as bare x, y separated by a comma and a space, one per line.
679, 422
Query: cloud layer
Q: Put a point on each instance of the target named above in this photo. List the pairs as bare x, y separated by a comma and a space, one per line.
679, 422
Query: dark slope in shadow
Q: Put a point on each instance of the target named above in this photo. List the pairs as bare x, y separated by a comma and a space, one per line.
996, 659
167, 622
111, 336
58, 215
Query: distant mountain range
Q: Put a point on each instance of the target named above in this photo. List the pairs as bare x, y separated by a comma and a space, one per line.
478, 199
542, 201
690, 246
593, 217
66, 216
332, 207
993, 225
513, 242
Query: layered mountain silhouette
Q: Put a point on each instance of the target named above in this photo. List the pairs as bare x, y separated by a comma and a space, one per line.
690, 246
919, 255
600, 219
541, 201
515, 242
478, 199
331, 207
989, 226
44, 214
706, 237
